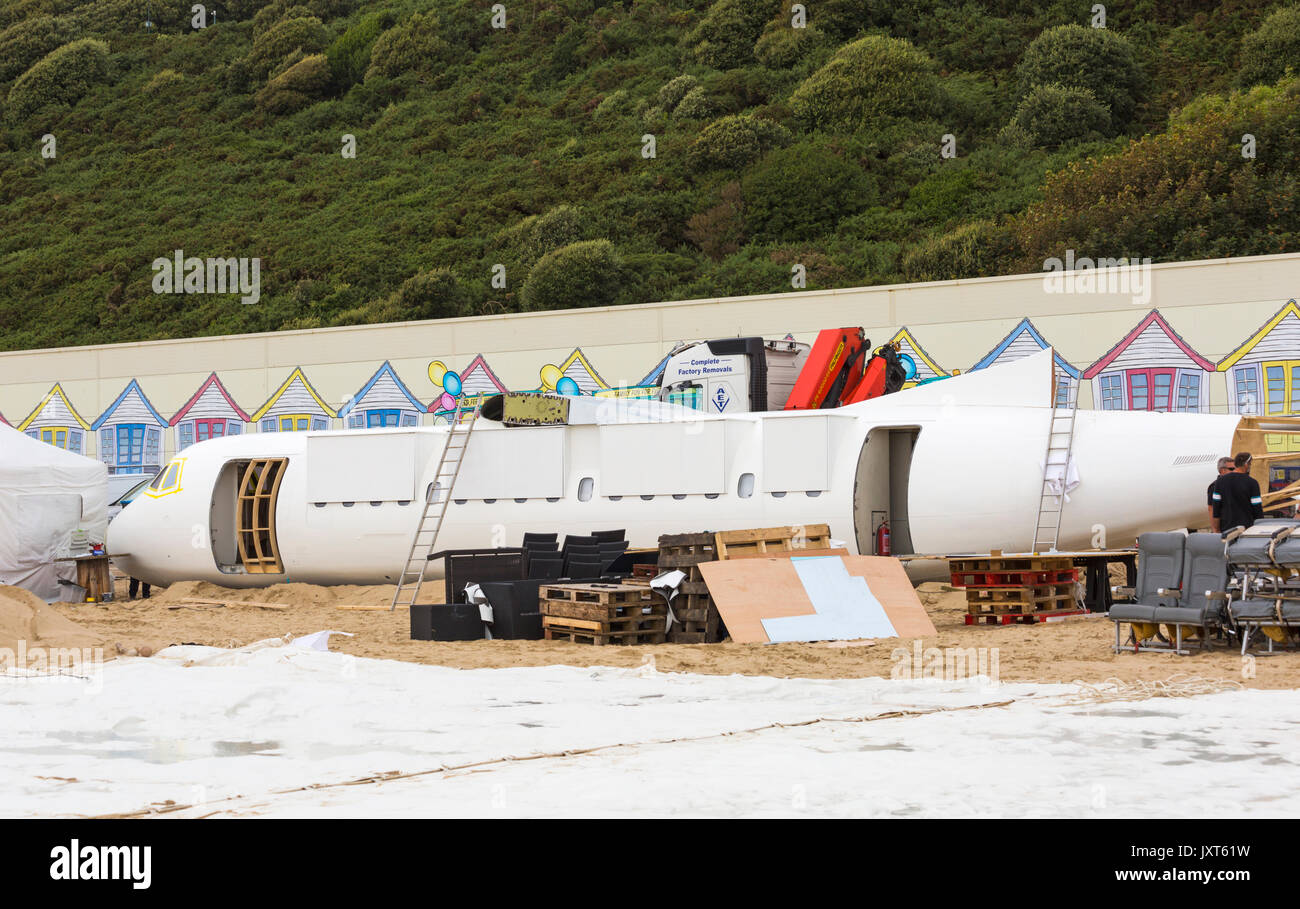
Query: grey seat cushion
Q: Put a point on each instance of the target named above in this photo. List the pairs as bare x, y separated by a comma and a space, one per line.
1132, 612
1253, 609
1186, 615
1291, 612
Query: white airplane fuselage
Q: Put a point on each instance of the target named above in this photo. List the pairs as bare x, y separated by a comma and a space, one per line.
955, 466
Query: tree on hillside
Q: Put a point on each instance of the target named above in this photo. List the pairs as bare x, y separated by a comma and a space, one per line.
1096, 59
61, 77
866, 83
578, 275
1269, 51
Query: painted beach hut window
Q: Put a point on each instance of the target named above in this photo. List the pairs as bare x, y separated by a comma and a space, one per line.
210, 413
56, 422
1264, 372
295, 407
383, 402
130, 433
1153, 369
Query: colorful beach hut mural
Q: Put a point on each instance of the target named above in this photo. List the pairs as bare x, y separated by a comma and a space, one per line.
576, 367
130, 433
1151, 368
383, 401
56, 421
210, 414
926, 368
1024, 340
294, 407
1264, 372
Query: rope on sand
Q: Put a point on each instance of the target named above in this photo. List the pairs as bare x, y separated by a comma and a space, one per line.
1178, 685
474, 766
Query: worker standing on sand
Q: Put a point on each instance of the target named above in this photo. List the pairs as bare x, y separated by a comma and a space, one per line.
1237, 501
1225, 466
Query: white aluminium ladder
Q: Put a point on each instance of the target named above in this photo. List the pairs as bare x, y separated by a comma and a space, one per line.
436, 500
1056, 466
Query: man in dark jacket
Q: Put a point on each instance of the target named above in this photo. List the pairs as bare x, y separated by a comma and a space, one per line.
1225, 466
1237, 501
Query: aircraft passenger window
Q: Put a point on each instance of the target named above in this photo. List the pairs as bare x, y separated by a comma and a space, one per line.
616, 498
319, 504
489, 501
460, 501
584, 489
745, 488
549, 499
778, 495
521, 501
679, 496
813, 493
376, 504
647, 498
348, 504
710, 495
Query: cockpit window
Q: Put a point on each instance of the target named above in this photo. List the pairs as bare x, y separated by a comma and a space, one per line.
168, 479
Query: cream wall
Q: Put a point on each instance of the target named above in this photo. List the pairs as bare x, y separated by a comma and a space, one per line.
1215, 305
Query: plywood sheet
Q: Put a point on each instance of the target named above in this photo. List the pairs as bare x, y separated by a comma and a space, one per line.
889, 582
746, 591
751, 592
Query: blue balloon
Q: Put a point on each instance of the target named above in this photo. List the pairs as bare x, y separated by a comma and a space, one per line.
909, 366
567, 386
451, 383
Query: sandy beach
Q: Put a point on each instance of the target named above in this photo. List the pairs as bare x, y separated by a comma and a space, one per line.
1076, 649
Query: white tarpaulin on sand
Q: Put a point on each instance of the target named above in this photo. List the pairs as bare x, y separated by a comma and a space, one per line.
282, 731
46, 493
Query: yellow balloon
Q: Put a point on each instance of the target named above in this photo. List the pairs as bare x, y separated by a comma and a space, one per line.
437, 369
550, 376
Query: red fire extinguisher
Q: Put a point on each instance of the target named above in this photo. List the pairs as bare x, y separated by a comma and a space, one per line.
882, 539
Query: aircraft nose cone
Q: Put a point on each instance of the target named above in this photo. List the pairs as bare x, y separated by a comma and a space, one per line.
125, 541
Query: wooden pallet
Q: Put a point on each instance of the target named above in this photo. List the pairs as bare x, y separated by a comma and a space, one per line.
623, 624
1018, 619
772, 539
698, 620
1005, 600
1013, 578
603, 612
1017, 563
607, 594
583, 636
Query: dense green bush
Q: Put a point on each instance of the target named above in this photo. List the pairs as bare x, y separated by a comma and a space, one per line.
1052, 115
674, 91
695, 106
23, 43
781, 46
61, 77
349, 54
735, 141
969, 251
412, 47
578, 275
1269, 51
725, 37
801, 192
300, 85
273, 46
1096, 59
866, 82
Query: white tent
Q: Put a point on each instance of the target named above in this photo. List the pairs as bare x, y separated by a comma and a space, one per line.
46, 494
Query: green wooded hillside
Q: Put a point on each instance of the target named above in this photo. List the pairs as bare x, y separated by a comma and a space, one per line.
525, 148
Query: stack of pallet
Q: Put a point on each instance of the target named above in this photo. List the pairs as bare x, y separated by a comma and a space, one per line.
698, 621
1022, 589
697, 617
602, 614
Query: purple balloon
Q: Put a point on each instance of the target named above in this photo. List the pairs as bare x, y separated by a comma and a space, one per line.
447, 402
